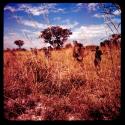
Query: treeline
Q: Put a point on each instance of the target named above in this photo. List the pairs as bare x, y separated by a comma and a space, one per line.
113, 41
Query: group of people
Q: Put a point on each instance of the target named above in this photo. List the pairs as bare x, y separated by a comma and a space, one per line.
78, 53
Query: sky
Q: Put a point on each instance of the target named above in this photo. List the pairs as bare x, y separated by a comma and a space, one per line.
25, 21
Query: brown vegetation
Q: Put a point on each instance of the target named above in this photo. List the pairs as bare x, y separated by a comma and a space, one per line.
60, 88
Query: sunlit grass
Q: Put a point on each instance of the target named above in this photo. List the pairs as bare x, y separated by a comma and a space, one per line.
60, 88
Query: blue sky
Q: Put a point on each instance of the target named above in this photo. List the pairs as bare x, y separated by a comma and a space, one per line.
25, 21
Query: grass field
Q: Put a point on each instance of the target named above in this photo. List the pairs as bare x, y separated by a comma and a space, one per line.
60, 88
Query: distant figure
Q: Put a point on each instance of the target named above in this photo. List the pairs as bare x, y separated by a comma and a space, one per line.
97, 60
47, 52
78, 51
35, 52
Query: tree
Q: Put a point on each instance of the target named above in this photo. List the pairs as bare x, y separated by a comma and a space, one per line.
108, 10
19, 43
55, 35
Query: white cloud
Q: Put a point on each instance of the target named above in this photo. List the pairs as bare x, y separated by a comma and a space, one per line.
28, 43
37, 25
117, 20
52, 8
9, 8
114, 19
57, 10
92, 6
12, 33
91, 34
78, 7
50, 5
57, 19
8, 43
26, 30
67, 21
69, 24
98, 15
36, 10
32, 35
30, 23
117, 12
79, 4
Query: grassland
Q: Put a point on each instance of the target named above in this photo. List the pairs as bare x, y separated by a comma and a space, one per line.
60, 88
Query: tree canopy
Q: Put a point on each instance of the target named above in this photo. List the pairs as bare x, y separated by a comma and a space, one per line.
55, 35
19, 43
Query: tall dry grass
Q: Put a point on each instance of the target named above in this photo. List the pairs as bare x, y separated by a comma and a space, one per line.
60, 88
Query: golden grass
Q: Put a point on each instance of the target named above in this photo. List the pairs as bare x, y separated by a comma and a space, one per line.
60, 88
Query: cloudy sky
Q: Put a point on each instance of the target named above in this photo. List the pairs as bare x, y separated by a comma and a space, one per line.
86, 21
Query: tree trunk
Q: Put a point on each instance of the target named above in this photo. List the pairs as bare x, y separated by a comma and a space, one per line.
19, 47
